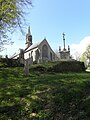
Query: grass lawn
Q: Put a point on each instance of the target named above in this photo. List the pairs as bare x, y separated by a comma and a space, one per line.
43, 96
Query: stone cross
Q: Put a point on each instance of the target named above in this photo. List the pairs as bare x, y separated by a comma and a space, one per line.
27, 63
64, 40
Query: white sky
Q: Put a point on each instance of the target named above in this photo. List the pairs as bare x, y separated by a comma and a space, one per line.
81, 47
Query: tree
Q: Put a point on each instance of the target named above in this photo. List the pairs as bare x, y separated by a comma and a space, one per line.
77, 56
86, 56
11, 16
57, 53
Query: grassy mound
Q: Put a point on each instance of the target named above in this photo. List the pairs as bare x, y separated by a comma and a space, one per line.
57, 96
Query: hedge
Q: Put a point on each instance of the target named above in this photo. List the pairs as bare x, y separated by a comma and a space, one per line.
7, 62
60, 66
69, 66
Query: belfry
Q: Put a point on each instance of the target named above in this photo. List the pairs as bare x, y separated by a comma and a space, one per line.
28, 38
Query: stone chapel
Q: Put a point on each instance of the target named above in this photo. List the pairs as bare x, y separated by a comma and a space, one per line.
40, 52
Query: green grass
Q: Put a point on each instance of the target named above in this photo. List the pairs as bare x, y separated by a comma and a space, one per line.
43, 96
88, 68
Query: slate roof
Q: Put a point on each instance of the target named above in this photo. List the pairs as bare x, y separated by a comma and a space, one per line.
32, 46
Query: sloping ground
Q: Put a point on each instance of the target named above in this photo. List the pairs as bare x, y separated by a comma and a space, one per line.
42, 96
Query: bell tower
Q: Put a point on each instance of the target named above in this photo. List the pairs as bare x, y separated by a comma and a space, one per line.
28, 38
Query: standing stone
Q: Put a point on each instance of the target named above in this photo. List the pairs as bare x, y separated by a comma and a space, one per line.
27, 64
26, 68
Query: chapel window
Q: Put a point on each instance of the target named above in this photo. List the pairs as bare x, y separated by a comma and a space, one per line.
44, 51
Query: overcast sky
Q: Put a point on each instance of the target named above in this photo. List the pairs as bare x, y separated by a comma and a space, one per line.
50, 19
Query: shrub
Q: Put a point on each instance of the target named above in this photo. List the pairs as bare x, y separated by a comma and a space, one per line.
60, 66
7, 62
69, 66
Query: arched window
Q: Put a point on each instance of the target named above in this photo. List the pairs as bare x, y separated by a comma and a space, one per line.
37, 54
50, 56
44, 51
31, 53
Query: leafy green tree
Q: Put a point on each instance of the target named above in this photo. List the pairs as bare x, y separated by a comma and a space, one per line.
83, 59
86, 56
11, 16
